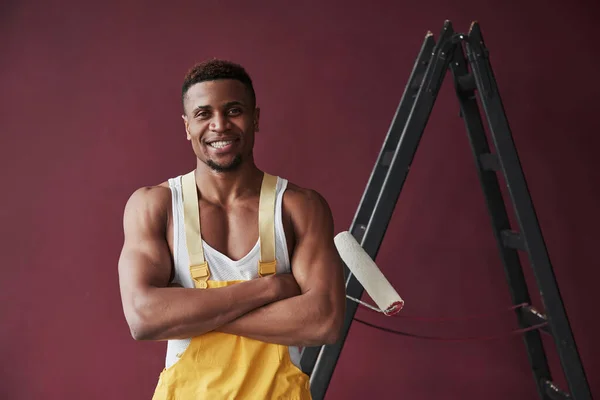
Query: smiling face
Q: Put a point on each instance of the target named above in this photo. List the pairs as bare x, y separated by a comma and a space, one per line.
220, 120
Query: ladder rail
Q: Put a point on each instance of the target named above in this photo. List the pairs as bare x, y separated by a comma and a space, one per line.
526, 216
498, 214
374, 187
411, 132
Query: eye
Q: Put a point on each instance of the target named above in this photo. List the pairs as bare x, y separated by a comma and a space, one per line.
203, 114
233, 112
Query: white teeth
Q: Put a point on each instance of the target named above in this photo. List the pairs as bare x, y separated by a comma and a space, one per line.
221, 144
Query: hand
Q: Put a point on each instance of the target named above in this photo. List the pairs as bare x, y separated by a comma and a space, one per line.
285, 286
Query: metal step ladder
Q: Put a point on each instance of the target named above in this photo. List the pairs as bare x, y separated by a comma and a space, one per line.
466, 56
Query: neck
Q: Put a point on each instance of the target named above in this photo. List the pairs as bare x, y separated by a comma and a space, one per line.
225, 187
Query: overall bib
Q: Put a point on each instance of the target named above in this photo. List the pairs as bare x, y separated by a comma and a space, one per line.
219, 365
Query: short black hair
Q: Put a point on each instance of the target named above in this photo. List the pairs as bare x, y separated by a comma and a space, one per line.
214, 69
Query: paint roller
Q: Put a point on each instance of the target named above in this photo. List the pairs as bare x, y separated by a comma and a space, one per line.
368, 274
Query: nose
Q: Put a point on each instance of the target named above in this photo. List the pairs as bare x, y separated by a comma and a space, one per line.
219, 123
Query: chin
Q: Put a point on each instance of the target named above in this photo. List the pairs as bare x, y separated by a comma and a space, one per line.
225, 167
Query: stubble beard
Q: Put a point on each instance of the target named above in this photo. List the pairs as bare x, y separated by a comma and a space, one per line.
231, 166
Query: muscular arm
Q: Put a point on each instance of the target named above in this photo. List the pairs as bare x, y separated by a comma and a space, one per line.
315, 316
155, 311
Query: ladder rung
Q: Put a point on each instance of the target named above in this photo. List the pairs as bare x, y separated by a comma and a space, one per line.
554, 392
534, 317
359, 231
386, 159
513, 240
489, 162
415, 84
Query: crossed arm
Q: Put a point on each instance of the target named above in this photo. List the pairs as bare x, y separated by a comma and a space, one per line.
302, 309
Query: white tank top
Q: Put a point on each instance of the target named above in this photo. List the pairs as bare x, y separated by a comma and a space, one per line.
222, 268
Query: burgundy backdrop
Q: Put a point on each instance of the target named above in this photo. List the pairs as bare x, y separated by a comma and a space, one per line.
91, 111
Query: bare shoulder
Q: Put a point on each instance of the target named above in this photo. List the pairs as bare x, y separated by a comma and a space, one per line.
307, 207
148, 205
299, 198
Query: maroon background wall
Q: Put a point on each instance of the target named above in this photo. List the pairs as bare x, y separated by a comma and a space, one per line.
90, 111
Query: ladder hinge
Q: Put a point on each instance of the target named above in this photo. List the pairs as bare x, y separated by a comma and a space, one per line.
482, 53
466, 83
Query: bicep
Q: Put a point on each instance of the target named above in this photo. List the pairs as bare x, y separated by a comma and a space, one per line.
144, 264
316, 264
145, 260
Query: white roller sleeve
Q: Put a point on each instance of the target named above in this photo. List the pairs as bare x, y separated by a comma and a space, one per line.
368, 274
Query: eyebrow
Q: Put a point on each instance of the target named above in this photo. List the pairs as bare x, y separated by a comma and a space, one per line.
226, 105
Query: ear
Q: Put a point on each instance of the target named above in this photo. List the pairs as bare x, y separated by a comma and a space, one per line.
256, 119
187, 127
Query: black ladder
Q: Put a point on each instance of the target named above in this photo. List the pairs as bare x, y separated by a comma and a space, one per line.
467, 58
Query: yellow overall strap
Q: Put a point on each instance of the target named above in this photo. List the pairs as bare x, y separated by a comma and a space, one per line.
266, 225
193, 236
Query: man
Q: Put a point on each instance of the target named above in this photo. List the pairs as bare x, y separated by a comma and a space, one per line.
236, 268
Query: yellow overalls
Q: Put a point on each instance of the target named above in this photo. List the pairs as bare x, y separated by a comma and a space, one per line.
222, 366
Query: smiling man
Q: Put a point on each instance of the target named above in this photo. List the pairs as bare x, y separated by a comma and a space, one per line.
234, 267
